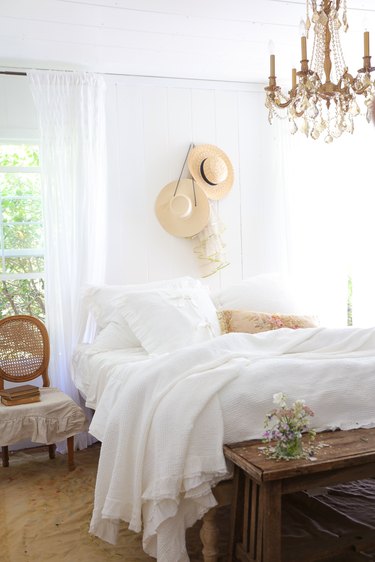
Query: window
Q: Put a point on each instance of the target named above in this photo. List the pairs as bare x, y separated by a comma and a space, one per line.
21, 232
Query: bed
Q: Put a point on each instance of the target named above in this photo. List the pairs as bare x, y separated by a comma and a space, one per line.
169, 389
93, 367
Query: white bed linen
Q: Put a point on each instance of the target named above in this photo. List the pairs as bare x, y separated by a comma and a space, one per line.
163, 423
92, 368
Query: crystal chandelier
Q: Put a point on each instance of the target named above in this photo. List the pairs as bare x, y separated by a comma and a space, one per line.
322, 100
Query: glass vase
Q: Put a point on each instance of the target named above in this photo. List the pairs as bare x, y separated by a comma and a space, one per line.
291, 449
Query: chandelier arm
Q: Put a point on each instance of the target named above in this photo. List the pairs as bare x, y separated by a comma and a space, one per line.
279, 104
348, 76
358, 91
283, 105
297, 113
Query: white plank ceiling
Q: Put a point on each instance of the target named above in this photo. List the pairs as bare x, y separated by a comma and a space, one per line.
198, 39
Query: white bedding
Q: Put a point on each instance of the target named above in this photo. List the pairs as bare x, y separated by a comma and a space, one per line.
92, 368
162, 423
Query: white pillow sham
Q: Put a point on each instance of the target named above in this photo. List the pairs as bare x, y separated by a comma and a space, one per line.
103, 301
116, 335
165, 320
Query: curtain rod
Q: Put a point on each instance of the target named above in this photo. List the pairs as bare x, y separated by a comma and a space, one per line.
13, 73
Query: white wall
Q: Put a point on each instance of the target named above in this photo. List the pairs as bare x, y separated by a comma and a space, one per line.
151, 122
214, 39
18, 119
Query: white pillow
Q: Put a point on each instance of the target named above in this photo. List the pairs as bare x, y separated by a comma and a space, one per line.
267, 292
103, 301
116, 335
165, 320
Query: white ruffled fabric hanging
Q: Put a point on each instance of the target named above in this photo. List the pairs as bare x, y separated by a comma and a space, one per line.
210, 248
71, 112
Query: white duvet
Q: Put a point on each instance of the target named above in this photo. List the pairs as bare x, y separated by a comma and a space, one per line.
162, 422
92, 368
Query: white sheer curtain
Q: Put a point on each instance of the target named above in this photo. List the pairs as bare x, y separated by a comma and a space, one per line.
329, 205
71, 109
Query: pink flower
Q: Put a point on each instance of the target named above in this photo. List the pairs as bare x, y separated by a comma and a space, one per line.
276, 321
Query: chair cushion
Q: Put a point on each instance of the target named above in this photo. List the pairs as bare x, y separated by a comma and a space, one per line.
54, 418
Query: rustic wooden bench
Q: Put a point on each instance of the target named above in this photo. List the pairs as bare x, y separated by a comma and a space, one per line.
260, 483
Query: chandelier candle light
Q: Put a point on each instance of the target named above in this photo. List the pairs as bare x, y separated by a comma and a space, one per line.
323, 94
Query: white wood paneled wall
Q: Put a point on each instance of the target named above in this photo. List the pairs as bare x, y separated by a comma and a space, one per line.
18, 119
210, 39
151, 122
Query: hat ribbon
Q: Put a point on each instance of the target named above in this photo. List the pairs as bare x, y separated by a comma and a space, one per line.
204, 175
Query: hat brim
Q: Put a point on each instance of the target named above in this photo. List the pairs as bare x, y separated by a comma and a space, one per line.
196, 157
195, 222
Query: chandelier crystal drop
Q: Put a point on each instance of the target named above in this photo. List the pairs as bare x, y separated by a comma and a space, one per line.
323, 99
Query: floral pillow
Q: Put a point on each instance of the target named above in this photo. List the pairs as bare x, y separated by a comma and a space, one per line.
253, 322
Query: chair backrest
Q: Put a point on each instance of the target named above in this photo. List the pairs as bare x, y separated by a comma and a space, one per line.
24, 349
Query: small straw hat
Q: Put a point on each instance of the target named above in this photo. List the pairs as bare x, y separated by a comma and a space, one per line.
211, 169
184, 212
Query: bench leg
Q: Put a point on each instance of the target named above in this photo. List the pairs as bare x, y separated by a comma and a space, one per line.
255, 533
51, 451
70, 442
5, 456
237, 512
270, 499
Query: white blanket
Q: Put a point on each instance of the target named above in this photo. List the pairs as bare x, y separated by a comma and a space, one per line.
162, 422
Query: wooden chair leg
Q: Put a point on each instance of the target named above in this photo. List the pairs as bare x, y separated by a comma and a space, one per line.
51, 451
70, 442
5, 456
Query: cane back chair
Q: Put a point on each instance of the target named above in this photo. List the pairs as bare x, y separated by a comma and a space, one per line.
24, 356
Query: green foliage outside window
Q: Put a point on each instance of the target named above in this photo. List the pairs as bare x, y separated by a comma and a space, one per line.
21, 232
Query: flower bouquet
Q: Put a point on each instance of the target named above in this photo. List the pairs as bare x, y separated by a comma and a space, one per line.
284, 427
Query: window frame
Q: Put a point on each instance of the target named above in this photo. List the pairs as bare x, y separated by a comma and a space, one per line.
34, 252
37, 252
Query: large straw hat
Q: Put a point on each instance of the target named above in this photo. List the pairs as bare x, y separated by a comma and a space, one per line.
211, 169
184, 212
